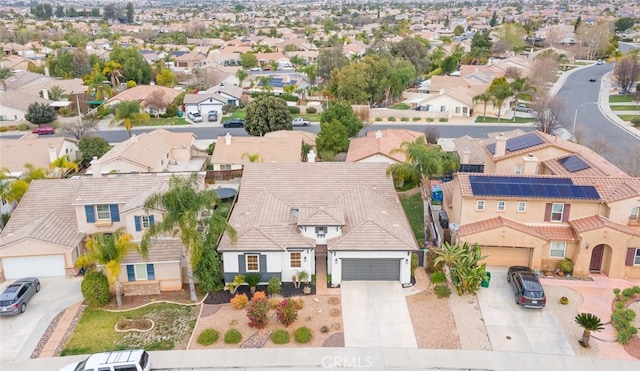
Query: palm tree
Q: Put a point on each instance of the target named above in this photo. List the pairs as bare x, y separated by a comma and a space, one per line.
265, 83
252, 157
56, 92
5, 74
61, 165
129, 112
108, 250
17, 188
186, 213
241, 75
521, 88
422, 161
485, 98
500, 94
589, 322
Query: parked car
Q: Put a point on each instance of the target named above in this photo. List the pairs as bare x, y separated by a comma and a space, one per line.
129, 360
299, 121
593, 79
194, 116
522, 108
254, 69
599, 62
527, 287
44, 129
233, 123
213, 116
15, 297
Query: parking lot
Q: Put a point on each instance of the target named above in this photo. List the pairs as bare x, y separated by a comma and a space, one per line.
20, 334
512, 328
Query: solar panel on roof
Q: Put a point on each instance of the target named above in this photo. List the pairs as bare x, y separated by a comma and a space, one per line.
519, 179
530, 187
573, 163
523, 141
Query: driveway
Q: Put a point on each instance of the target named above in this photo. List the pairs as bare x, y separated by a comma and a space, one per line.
375, 315
20, 334
512, 328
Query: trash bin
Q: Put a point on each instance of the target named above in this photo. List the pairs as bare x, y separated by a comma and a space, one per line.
180, 113
485, 283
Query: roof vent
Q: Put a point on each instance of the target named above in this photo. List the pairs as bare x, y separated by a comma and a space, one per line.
294, 211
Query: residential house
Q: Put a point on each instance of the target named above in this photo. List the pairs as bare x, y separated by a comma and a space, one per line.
232, 93
154, 152
306, 137
153, 99
37, 150
381, 146
293, 217
204, 103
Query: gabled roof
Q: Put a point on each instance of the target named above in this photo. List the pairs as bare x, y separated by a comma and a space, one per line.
144, 150
33, 149
162, 250
114, 190
199, 98
318, 216
476, 145
381, 142
140, 93
270, 149
306, 136
497, 222
596, 222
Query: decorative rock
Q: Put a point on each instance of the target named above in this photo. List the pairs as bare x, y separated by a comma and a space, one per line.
316, 300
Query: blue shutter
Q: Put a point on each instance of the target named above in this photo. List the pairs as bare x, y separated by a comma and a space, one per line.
115, 215
136, 219
151, 220
90, 213
151, 274
263, 263
131, 273
242, 267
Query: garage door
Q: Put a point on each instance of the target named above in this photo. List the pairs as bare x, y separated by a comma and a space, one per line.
506, 256
371, 269
33, 266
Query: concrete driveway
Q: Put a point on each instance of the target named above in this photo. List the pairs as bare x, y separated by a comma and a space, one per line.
20, 334
512, 328
375, 315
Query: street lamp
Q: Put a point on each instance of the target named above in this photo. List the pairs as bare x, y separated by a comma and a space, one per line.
575, 116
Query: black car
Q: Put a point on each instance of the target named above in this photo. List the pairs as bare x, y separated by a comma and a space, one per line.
527, 287
593, 79
233, 123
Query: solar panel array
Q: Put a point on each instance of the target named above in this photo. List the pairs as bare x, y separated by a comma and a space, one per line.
278, 82
530, 187
518, 143
573, 163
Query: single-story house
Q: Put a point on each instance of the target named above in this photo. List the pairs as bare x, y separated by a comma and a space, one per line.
380, 146
204, 103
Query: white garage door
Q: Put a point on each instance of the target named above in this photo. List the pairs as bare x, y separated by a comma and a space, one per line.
33, 266
506, 256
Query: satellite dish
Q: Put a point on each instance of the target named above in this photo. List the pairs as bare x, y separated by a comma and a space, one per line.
454, 227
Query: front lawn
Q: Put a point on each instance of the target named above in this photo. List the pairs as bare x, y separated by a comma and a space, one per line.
241, 113
626, 107
161, 122
628, 117
414, 208
95, 331
519, 120
620, 98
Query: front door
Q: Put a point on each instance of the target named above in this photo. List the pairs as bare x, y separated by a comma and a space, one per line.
596, 258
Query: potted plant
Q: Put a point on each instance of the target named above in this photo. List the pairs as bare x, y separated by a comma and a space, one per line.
253, 279
303, 276
565, 266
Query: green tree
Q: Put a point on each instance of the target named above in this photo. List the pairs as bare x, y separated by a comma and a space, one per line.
40, 113
624, 23
241, 75
485, 98
209, 268
59, 11
109, 250
129, 112
248, 60
480, 52
5, 74
512, 35
267, 114
13, 191
459, 30
130, 13
500, 90
464, 270
343, 113
413, 50
187, 213
494, 19
350, 83
92, 146
95, 288
330, 59
134, 66
80, 63
577, 24
422, 162
521, 88
589, 322
56, 92
332, 139
449, 64
167, 78
61, 165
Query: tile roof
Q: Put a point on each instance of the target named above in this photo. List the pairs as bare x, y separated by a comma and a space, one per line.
144, 150
140, 93
306, 137
373, 217
271, 149
497, 222
199, 98
118, 189
556, 233
391, 139
476, 145
330, 216
612, 188
33, 149
590, 223
161, 250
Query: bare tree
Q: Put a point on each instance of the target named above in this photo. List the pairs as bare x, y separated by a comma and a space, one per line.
157, 100
600, 145
80, 128
512, 72
626, 72
548, 112
543, 72
595, 37
553, 36
627, 159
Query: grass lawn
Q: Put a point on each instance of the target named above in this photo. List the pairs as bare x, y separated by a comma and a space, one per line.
414, 208
162, 122
95, 331
626, 107
519, 120
628, 117
241, 113
620, 98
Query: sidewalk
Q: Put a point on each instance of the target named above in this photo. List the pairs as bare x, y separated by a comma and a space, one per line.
55, 340
605, 109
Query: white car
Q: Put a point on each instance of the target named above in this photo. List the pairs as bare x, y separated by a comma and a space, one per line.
136, 359
194, 116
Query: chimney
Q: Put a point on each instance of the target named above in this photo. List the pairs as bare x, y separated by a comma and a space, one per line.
52, 154
227, 139
378, 134
311, 156
134, 139
530, 165
465, 156
501, 145
96, 168
441, 91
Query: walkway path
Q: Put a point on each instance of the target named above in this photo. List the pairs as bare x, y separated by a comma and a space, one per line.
55, 340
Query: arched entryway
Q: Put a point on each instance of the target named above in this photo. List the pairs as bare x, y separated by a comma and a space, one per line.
600, 255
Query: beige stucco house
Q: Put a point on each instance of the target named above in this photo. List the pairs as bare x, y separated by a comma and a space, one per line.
233, 153
380, 146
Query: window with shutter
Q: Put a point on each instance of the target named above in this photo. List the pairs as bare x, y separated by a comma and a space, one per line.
90, 214
633, 257
136, 220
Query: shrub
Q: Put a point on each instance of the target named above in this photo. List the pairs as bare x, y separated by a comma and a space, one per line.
391, 118
274, 287
443, 119
294, 110
616, 291
23, 127
415, 119
239, 301
258, 295
232, 336
404, 119
438, 277
280, 336
311, 110
302, 335
429, 119
12, 128
258, 313
208, 337
566, 265
628, 292
378, 118
95, 288
619, 305
635, 120
3, 129
430, 264
287, 312
401, 106
253, 279
274, 301
636, 289
299, 302
442, 291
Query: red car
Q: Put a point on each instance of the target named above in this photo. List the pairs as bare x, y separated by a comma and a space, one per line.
44, 129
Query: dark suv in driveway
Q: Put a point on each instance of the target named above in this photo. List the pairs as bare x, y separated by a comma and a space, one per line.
233, 123
527, 287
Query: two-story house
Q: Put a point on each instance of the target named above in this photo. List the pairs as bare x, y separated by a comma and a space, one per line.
342, 217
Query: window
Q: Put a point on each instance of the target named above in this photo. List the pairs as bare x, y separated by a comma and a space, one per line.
557, 249
522, 206
141, 272
634, 213
502, 205
296, 260
253, 264
636, 258
464, 109
556, 212
458, 109
102, 212
145, 221
443, 108
225, 167
480, 205
518, 169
